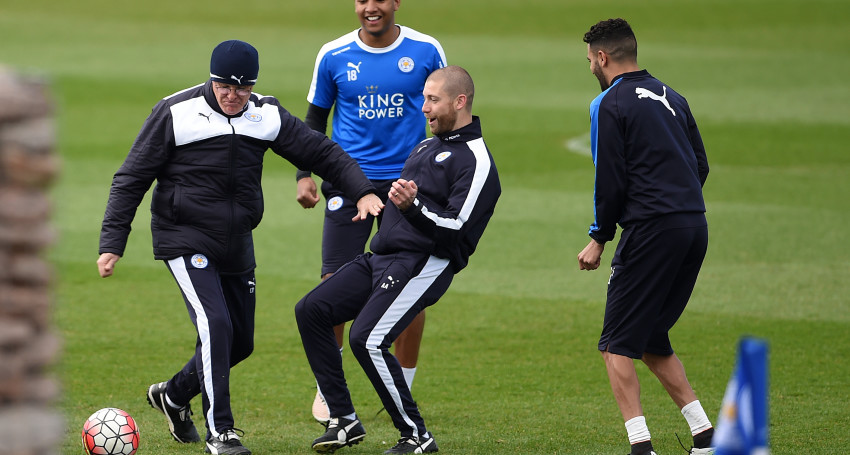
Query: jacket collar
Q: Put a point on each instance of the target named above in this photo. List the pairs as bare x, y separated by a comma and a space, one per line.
464, 133
633, 74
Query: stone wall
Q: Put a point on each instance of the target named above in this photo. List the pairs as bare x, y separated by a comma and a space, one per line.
29, 345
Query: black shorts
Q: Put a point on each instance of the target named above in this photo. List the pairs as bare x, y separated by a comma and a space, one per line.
343, 239
653, 273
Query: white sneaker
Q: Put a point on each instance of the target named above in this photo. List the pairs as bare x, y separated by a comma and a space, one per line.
320, 410
705, 451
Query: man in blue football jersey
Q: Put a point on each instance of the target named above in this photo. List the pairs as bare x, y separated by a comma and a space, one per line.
373, 78
436, 213
650, 169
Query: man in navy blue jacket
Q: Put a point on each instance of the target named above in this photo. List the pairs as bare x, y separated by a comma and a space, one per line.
650, 168
204, 146
436, 214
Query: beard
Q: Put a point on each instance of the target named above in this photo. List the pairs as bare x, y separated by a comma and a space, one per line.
445, 122
603, 84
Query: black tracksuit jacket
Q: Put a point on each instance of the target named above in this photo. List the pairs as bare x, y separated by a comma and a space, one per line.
208, 169
458, 190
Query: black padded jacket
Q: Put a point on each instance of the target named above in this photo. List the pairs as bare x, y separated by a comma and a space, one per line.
208, 169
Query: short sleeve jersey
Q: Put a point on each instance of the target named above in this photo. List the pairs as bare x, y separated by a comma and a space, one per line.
378, 96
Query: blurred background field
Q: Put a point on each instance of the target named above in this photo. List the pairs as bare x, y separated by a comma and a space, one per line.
509, 361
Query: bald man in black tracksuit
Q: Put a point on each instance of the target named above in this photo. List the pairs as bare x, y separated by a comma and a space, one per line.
439, 208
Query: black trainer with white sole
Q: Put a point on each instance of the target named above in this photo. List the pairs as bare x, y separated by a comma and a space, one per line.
226, 443
424, 444
180, 422
341, 432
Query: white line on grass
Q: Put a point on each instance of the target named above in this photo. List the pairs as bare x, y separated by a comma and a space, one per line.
579, 144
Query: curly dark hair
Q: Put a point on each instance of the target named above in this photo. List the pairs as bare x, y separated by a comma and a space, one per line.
615, 37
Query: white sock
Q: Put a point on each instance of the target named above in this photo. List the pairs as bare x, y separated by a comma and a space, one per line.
695, 415
352, 416
637, 430
408, 375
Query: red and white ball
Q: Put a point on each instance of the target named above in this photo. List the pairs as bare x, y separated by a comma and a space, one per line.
110, 431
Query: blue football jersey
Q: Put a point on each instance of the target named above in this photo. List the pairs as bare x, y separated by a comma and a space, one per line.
377, 93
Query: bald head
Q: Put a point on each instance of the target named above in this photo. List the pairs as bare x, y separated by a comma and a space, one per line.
455, 81
448, 96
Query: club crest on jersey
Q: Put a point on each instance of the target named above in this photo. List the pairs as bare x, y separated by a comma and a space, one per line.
335, 203
199, 261
253, 116
442, 157
405, 64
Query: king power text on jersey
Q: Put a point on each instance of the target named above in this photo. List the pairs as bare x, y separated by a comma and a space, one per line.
380, 106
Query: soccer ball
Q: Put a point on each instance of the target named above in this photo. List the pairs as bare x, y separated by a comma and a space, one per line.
110, 431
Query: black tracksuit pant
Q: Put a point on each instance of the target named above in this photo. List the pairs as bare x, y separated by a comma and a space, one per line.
381, 294
222, 309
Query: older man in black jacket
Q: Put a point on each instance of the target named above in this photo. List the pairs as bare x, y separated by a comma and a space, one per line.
204, 146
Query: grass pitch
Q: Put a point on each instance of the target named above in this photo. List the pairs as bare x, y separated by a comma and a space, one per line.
509, 363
